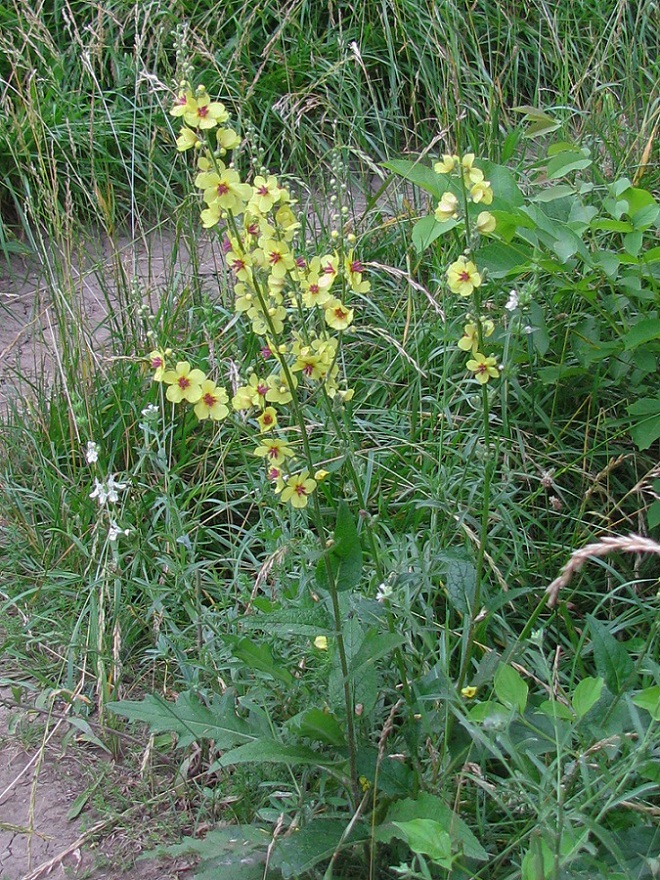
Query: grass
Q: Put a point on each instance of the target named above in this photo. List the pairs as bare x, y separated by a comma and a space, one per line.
461, 497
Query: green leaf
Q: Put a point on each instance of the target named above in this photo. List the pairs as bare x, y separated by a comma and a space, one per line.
564, 163
645, 429
428, 806
506, 192
502, 259
345, 555
188, 718
586, 695
428, 229
365, 685
292, 621
653, 515
510, 688
428, 837
259, 657
296, 854
642, 332
376, 644
613, 662
319, 725
269, 751
555, 709
420, 175
237, 852
649, 699
460, 579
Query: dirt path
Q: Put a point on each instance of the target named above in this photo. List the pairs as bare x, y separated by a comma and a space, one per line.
39, 785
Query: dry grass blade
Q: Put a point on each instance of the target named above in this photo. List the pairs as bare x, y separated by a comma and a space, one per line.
629, 544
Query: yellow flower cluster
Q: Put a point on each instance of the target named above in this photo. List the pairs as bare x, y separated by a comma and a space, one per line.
188, 385
295, 304
462, 276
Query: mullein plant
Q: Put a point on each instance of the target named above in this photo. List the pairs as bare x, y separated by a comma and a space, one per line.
296, 305
467, 192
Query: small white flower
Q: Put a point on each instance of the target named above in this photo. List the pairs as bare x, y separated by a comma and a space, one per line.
384, 592
99, 492
108, 491
114, 488
92, 452
512, 302
150, 412
116, 530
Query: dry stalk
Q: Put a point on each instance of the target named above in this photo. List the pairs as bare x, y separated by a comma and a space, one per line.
629, 544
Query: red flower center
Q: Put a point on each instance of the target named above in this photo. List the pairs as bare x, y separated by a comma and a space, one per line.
464, 276
262, 389
183, 383
300, 490
203, 111
222, 189
263, 190
356, 266
209, 399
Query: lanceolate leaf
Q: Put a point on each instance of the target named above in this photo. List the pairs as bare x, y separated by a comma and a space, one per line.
613, 662
189, 718
269, 751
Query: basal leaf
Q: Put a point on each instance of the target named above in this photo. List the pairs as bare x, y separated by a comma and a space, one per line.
510, 688
269, 751
613, 662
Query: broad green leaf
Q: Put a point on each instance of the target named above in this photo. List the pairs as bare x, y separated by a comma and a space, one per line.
428, 837
292, 621
645, 428
506, 192
586, 695
559, 191
269, 751
649, 699
237, 852
259, 657
188, 718
510, 688
555, 709
653, 515
538, 861
345, 555
318, 725
645, 217
460, 580
632, 243
376, 644
421, 175
296, 854
502, 259
489, 709
427, 230
613, 662
564, 163
428, 806
642, 332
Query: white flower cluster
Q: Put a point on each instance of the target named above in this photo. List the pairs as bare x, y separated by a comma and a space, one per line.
107, 492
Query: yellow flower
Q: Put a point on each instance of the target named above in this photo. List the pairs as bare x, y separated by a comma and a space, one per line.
329, 267
187, 139
278, 257
337, 315
252, 394
223, 189
486, 223
320, 475
227, 139
265, 193
273, 451
469, 692
203, 113
447, 165
463, 277
268, 419
185, 384
321, 642
447, 207
471, 174
211, 404
157, 361
183, 104
353, 271
482, 192
470, 339
278, 388
298, 489
484, 368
